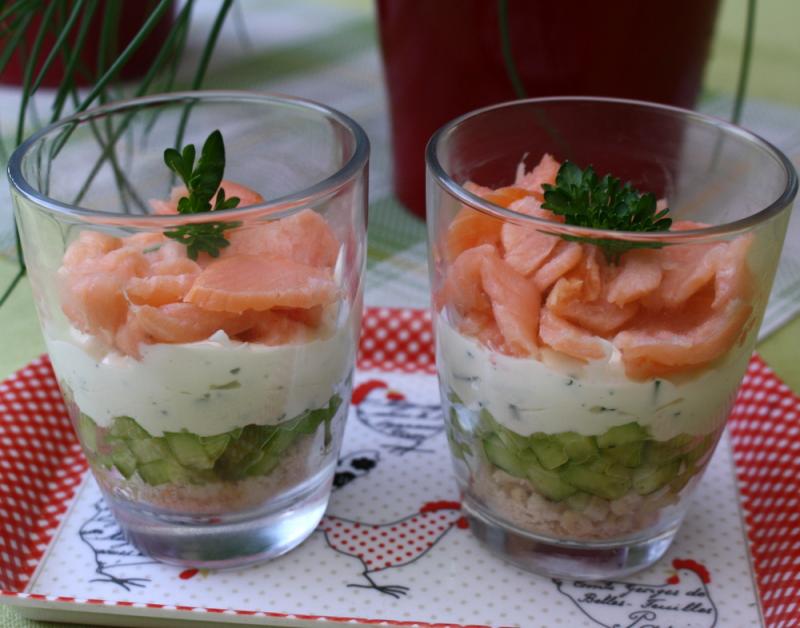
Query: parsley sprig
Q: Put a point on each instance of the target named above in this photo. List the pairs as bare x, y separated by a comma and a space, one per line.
202, 181
603, 203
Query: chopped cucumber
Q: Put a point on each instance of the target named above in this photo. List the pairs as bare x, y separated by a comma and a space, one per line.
629, 455
156, 472
548, 483
126, 427
215, 445
700, 450
87, 430
648, 479
123, 459
591, 481
512, 440
502, 457
549, 452
149, 449
622, 435
188, 450
577, 447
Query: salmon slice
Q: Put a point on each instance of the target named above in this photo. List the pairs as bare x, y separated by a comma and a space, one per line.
515, 304
686, 269
95, 302
471, 228
484, 329
245, 195
311, 317
526, 247
159, 289
274, 328
462, 288
176, 266
92, 295
304, 237
671, 342
130, 337
592, 271
638, 275
505, 197
565, 256
179, 322
733, 278
90, 245
598, 316
570, 339
544, 172
146, 242
247, 282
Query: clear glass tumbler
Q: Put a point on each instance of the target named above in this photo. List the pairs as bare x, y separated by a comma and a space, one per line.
587, 373
206, 357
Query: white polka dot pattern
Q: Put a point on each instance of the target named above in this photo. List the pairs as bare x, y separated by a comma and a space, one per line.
454, 580
765, 430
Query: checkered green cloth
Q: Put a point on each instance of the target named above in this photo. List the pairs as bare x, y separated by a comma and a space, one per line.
326, 50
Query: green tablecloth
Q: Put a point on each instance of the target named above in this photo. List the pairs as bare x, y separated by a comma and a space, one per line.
396, 239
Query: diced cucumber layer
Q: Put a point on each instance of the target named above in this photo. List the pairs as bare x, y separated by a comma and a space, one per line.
572, 467
183, 457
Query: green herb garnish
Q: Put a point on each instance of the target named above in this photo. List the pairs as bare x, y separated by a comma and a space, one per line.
587, 201
202, 181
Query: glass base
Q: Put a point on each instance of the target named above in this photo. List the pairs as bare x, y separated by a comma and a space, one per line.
224, 542
565, 559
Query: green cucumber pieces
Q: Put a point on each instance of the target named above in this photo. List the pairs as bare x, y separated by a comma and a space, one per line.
87, 430
123, 459
629, 454
648, 479
577, 447
591, 479
184, 457
622, 435
188, 450
571, 467
503, 458
549, 451
549, 483
126, 427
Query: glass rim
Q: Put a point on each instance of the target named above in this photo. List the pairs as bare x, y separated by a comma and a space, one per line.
739, 226
278, 207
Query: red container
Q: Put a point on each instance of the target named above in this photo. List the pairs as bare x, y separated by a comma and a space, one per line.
132, 16
443, 58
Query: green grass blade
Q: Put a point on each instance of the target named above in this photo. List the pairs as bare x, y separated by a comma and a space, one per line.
18, 30
10, 288
67, 86
126, 54
744, 66
202, 66
64, 32
505, 44
29, 67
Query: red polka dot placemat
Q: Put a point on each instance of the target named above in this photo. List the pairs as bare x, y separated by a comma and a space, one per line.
41, 468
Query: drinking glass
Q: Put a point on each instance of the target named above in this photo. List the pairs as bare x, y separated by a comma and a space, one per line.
587, 374
205, 358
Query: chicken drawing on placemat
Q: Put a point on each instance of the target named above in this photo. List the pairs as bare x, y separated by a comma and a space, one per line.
407, 424
384, 546
683, 600
110, 549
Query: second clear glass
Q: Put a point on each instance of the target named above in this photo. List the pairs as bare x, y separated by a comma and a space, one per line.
586, 389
